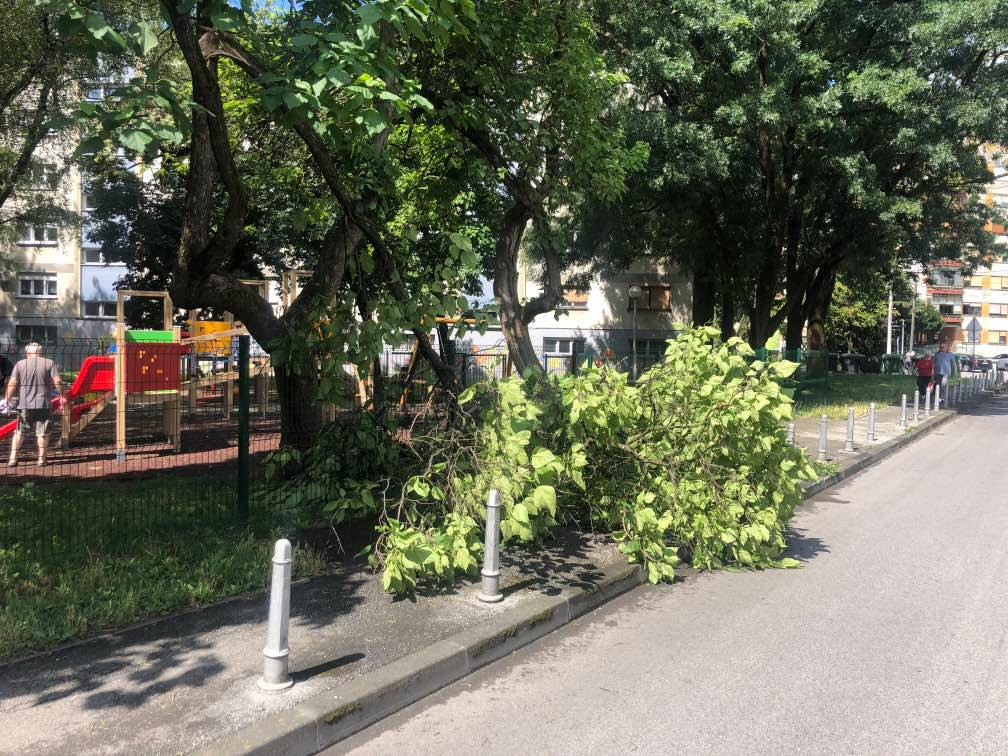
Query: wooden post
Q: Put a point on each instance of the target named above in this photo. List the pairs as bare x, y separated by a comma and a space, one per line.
65, 427
120, 389
262, 388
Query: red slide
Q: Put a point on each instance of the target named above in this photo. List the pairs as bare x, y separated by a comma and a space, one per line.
96, 374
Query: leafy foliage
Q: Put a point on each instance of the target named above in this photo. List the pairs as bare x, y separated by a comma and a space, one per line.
692, 463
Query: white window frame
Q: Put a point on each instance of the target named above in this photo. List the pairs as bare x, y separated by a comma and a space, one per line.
106, 310
35, 336
44, 177
555, 342
29, 236
45, 278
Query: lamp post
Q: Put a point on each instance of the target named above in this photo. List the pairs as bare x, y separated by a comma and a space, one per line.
635, 293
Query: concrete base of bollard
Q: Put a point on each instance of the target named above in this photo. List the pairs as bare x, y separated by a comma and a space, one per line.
273, 687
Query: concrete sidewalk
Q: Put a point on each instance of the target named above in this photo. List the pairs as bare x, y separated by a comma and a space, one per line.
179, 683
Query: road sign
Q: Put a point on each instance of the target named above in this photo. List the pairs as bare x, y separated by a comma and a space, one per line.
973, 328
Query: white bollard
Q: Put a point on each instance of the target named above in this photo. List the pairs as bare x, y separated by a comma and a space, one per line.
849, 443
275, 676
823, 429
790, 434
871, 422
927, 402
490, 590
903, 415
916, 406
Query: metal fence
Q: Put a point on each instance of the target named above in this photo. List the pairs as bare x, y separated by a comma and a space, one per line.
163, 437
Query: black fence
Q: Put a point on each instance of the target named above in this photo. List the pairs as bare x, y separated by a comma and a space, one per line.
151, 440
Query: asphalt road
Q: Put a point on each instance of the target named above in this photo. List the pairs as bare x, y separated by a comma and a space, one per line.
890, 639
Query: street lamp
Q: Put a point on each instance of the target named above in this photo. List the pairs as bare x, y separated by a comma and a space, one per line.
635, 293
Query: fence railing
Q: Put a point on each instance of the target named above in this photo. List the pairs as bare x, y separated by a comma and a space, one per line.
149, 440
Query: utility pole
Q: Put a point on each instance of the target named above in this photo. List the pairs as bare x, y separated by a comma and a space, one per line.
913, 315
888, 336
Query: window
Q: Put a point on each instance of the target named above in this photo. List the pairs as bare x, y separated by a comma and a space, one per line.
40, 235
650, 348
656, 298
99, 309
99, 92
999, 282
968, 281
947, 309
563, 346
44, 176
574, 299
999, 311
87, 202
25, 334
1001, 200
37, 285
971, 309
997, 337
967, 340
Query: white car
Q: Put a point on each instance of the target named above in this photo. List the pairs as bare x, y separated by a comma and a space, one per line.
1000, 361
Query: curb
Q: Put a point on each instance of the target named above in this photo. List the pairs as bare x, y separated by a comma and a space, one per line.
886, 448
327, 718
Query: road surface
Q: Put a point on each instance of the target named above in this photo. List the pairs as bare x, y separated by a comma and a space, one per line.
890, 639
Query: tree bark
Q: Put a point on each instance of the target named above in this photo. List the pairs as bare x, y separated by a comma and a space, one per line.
820, 298
727, 312
299, 410
703, 294
795, 327
510, 310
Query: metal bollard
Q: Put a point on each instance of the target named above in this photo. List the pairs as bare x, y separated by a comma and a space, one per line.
790, 434
823, 429
871, 421
849, 444
276, 653
903, 415
937, 398
927, 402
916, 406
490, 590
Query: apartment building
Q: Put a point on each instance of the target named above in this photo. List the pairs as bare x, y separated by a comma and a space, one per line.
58, 284
600, 318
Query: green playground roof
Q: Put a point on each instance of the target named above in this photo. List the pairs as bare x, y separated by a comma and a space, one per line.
151, 337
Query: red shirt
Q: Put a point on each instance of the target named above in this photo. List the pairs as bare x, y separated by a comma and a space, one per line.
925, 366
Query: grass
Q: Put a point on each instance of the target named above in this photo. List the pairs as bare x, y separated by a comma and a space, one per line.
858, 390
78, 558
43, 603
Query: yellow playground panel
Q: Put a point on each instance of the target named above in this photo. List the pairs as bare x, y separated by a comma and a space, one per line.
207, 346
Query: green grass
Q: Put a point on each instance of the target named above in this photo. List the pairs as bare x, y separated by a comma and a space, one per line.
43, 603
859, 390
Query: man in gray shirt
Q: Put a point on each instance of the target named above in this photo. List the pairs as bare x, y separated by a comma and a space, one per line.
33, 380
944, 367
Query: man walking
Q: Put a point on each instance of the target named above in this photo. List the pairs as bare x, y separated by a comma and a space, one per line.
944, 367
33, 380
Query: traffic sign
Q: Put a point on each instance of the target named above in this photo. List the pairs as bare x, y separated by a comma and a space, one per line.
973, 328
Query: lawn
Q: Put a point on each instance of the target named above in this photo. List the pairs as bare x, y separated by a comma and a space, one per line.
860, 390
79, 558
46, 602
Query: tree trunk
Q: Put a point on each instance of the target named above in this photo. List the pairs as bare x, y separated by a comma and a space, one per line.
377, 386
703, 295
727, 312
795, 327
820, 297
759, 317
512, 318
299, 408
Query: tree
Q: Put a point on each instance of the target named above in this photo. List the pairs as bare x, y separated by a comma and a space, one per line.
328, 74
41, 75
531, 97
801, 137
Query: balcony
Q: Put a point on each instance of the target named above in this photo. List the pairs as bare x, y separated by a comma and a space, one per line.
952, 318
954, 291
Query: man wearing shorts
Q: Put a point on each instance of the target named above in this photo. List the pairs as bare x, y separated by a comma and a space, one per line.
33, 380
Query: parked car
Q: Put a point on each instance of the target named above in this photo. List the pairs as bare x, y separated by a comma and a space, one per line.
1001, 360
969, 363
